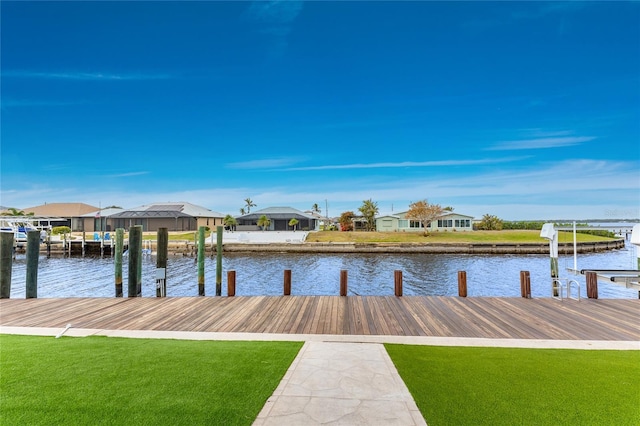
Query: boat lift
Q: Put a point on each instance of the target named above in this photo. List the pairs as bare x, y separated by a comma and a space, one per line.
630, 278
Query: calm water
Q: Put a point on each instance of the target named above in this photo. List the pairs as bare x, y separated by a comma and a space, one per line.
319, 274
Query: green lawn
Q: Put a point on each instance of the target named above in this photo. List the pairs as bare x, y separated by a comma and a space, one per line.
509, 236
101, 380
502, 386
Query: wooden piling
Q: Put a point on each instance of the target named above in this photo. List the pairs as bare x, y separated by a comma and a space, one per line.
462, 283
231, 283
48, 244
135, 260
6, 263
554, 275
201, 261
287, 282
161, 260
33, 253
118, 260
343, 282
592, 284
397, 282
219, 231
525, 284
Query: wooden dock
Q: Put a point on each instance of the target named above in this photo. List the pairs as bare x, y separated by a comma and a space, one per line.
510, 318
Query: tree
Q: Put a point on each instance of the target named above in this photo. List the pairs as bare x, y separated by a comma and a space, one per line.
242, 211
249, 204
490, 223
12, 211
369, 210
424, 213
293, 222
230, 222
346, 221
264, 222
315, 208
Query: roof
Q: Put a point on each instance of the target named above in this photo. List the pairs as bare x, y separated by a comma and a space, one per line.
277, 213
104, 212
168, 209
400, 215
62, 209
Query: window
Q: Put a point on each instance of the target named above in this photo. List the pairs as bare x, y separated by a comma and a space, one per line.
403, 223
414, 224
462, 223
445, 223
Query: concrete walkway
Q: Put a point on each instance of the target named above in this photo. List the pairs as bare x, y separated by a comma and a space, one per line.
334, 383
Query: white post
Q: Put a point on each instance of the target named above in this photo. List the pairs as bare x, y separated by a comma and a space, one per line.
549, 232
575, 249
635, 240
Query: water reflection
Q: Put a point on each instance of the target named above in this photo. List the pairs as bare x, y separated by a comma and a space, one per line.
319, 274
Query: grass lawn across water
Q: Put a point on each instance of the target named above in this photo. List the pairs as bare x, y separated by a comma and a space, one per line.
105, 380
505, 386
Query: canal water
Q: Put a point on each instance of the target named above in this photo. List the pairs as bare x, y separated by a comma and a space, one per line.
319, 274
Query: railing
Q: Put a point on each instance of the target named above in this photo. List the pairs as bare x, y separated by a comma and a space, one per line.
562, 287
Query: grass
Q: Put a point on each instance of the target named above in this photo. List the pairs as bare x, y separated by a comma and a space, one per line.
502, 386
102, 380
508, 236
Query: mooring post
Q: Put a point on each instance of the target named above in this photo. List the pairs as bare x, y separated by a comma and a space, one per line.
397, 281
462, 283
135, 261
84, 243
525, 284
231, 283
118, 260
48, 244
592, 284
161, 262
343, 282
549, 232
287, 282
219, 231
33, 253
201, 261
6, 263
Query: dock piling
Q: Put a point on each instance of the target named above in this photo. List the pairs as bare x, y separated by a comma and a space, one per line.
525, 284
287, 282
118, 260
201, 261
231, 283
6, 263
462, 283
397, 281
592, 284
135, 261
219, 231
343, 282
33, 253
161, 261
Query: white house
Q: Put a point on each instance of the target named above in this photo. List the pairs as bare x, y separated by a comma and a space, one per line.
449, 221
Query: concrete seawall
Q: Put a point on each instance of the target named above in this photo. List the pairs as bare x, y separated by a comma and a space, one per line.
489, 248
185, 248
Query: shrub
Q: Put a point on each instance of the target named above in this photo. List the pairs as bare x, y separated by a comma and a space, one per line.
60, 230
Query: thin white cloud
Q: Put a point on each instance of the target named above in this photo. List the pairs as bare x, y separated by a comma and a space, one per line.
128, 174
274, 12
540, 143
85, 76
269, 163
402, 164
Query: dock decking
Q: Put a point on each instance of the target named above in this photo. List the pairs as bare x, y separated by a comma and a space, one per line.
506, 318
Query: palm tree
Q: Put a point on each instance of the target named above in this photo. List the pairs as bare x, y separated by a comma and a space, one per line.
12, 211
264, 222
230, 222
249, 204
242, 211
315, 208
293, 222
369, 210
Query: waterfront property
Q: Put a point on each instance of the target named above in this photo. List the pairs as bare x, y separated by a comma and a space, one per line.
279, 218
175, 216
448, 222
65, 214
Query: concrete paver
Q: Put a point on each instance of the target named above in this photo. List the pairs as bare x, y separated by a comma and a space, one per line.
337, 383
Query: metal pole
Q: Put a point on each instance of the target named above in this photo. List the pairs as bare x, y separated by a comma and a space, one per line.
161, 260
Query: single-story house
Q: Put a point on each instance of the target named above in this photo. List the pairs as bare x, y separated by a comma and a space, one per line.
279, 217
449, 221
65, 214
175, 216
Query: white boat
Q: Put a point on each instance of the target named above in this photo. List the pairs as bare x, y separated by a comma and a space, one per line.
20, 226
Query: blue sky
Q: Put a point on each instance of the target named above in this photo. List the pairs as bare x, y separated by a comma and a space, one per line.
524, 110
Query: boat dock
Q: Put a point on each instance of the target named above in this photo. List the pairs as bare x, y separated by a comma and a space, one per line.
362, 316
